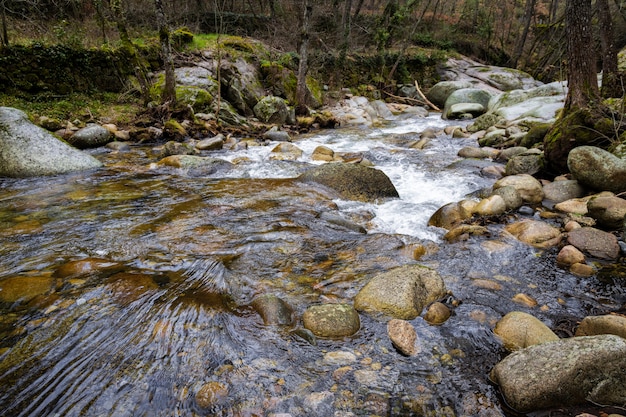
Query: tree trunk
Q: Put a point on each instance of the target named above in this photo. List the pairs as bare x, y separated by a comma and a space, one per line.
611, 83
582, 76
345, 36
5, 34
303, 66
584, 120
357, 11
169, 90
519, 46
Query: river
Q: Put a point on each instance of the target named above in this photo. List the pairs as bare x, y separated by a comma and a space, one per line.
170, 314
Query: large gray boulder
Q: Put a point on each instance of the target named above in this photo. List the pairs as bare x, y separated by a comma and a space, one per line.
243, 88
486, 76
401, 293
597, 169
465, 96
352, 181
27, 150
564, 373
272, 109
439, 93
559, 191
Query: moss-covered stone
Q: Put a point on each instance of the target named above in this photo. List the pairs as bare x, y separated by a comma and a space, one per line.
198, 98
535, 135
577, 128
181, 37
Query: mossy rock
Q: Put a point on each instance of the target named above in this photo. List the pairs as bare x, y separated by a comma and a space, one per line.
282, 82
198, 98
577, 128
484, 121
174, 129
352, 181
535, 135
181, 37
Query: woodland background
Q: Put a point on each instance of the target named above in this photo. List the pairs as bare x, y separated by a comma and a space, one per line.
525, 34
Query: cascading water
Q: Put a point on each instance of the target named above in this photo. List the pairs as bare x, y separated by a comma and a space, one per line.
165, 327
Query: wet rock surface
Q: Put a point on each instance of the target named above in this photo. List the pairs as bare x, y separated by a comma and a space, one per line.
564, 373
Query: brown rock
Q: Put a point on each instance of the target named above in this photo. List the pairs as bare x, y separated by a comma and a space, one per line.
211, 394
536, 233
582, 270
128, 287
331, 320
569, 255
609, 211
596, 243
525, 299
609, 324
437, 313
518, 330
528, 187
403, 336
86, 266
24, 288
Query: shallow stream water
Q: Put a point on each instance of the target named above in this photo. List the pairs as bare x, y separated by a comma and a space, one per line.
188, 253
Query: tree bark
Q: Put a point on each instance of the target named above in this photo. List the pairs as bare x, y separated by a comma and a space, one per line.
303, 66
584, 120
5, 33
582, 76
346, 28
169, 90
611, 83
519, 46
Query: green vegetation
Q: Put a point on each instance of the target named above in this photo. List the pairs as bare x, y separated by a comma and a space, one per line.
102, 107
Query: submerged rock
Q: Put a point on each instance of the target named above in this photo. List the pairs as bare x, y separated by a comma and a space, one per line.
401, 293
403, 336
86, 267
536, 233
27, 150
24, 288
273, 310
331, 320
564, 373
352, 181
211, 394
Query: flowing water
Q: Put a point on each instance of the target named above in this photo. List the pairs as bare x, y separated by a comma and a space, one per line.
180, 256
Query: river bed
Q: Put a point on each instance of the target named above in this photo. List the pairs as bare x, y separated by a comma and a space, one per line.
189, 253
